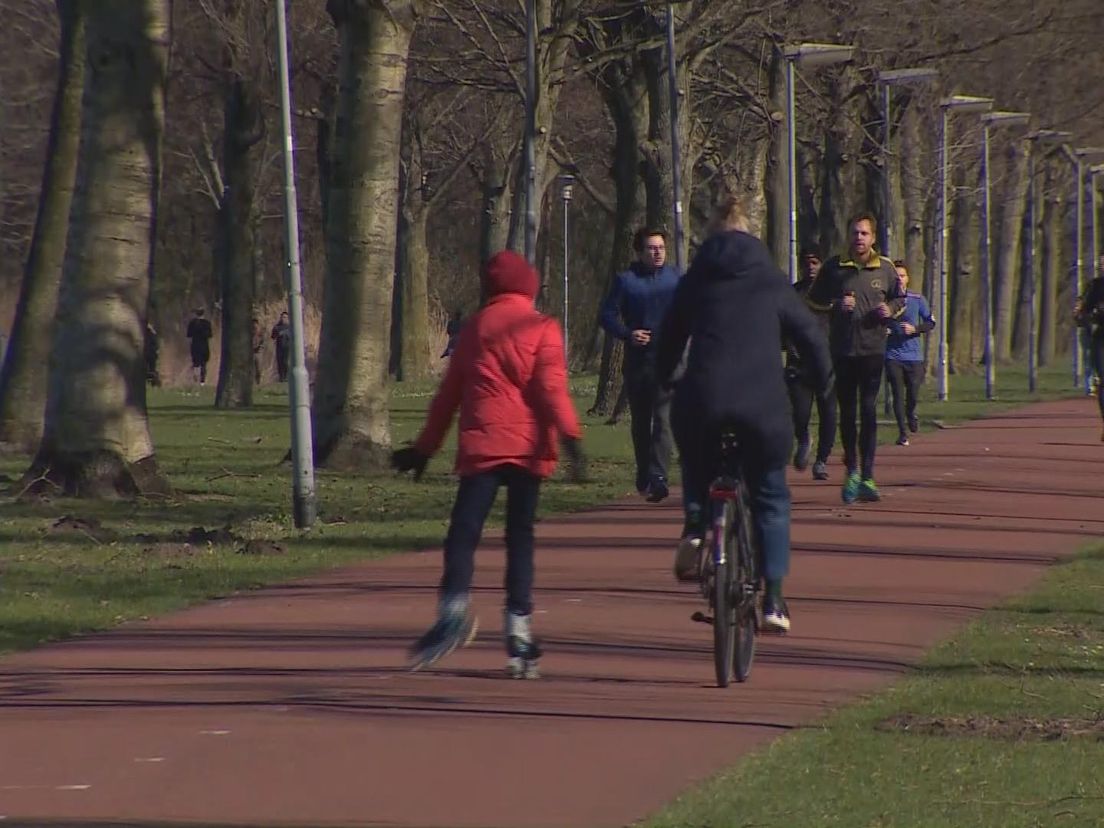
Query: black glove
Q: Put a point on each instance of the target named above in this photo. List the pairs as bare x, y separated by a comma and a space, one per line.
409, 459
575, 460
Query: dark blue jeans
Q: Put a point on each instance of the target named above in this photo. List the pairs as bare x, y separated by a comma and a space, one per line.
699, 449
474, 499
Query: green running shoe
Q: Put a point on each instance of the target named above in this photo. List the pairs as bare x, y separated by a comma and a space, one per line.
851, 487
868, 491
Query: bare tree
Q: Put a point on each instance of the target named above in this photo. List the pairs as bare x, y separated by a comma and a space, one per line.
351, 416
96, 440
22, 379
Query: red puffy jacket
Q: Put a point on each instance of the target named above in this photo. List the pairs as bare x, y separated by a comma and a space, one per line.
508, 378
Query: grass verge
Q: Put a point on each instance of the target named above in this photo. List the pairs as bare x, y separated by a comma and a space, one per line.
70, 566
1001, 727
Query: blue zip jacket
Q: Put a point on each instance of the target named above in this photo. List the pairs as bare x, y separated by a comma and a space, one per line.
639, 300
902, 347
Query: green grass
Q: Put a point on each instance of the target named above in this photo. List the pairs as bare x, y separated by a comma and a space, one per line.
1038, 659
226, 466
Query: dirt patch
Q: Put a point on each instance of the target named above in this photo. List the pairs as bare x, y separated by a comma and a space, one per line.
990, 727
262, 547
195, 535
86, 527
170, 551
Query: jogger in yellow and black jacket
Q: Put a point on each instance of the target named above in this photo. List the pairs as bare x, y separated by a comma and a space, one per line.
859, 292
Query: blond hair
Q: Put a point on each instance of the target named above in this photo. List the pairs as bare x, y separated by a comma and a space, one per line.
730, 214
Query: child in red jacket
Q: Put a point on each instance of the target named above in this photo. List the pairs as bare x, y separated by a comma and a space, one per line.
508, 379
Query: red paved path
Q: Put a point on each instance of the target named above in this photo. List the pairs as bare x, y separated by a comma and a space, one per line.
290, 705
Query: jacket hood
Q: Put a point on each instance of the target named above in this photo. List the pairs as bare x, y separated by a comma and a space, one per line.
735, 255
507, 272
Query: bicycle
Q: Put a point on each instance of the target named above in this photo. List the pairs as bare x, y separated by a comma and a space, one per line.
730, 572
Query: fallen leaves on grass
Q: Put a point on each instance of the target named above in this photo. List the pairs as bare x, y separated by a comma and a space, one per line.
990, 727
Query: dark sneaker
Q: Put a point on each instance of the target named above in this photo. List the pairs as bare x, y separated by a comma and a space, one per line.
914, 424
801, 456
820, 470
688, 558
449, 632
657, 489
868, 491
776, 616
850, 491
903, 440
522, 650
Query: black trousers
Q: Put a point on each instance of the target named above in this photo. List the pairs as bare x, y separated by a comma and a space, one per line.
473, 503
802, 396
858, 380
282, 355
650, 409
905, 379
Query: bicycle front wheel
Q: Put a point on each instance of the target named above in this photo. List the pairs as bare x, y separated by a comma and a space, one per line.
724, 595
745, 586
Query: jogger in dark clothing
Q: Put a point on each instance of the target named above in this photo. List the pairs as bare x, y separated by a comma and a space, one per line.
200, 333
633, 312
801, 385
1089, 312
859, 291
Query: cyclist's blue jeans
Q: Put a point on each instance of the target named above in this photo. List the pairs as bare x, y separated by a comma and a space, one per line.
767, 488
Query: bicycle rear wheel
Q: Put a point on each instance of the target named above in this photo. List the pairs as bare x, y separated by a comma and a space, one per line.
724, 593
745, 586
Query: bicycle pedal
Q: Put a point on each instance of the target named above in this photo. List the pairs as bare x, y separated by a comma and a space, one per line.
701, 618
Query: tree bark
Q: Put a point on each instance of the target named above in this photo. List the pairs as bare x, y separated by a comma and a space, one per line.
351, 416
244, 128
910, 223
965, 284
1053, 237
22, 378
778, 183
414, 350
1008, 249
96, 440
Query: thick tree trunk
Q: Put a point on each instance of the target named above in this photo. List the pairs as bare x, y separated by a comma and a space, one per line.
910, 236
965, 284
1051, 257
1008, 249
414, 350
778, 205
244, 128
96, 440
496, 187
351, 418
22, 378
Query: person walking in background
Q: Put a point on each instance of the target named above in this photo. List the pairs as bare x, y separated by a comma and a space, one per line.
802, 386
508, 379
1089, 313
633, 312
452, 330
859, 292
200, 333
281, 335
258, 349
904, 359
151, 349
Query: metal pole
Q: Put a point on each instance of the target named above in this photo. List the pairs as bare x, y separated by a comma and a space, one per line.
1094, 227
676, 148
1032, 334
887, 204
942, 376
530, 131
791, 166
566, 201
304, 505
1078, 274
987, 271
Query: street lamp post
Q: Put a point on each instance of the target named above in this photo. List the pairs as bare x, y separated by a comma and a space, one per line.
989, 120
567, 186
887, 80
962, 104
304, 504
530, 131
1078, 157
809, 55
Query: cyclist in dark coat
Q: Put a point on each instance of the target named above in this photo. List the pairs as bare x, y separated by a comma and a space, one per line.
736, 308
1089, 313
